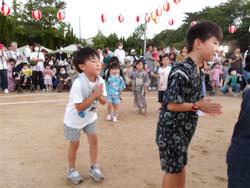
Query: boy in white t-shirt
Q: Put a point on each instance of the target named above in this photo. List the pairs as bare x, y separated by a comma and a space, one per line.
86, 91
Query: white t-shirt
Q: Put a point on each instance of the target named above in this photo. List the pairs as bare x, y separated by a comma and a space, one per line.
120, 54
71, 116
39, 66
163, 74
27, 52
3, 63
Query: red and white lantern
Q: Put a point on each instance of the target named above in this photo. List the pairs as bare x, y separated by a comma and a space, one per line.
176, 1
120, 18
171, 22
249, 29
103, 18
137, 19
166, 6
5, 10
60, 15
232, 29
156, 20
153, 15
37, 15
147, 18
193, 23
158, 11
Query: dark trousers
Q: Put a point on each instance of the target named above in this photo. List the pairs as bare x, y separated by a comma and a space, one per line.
3, 79
37, 79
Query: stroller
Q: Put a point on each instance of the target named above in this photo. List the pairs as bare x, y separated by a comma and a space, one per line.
19, 80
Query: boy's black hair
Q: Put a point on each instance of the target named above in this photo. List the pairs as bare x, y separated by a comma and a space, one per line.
203, 31
231, 69
82, 55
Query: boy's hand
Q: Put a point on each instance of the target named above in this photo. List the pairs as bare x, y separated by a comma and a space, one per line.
98, 90
206, 106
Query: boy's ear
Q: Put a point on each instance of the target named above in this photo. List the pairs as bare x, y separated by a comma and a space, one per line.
197, 44
81, 66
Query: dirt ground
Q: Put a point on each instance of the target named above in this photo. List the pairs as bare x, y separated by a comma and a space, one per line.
34, 153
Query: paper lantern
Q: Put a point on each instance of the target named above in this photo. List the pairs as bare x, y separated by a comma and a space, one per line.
158, 11
37, 15
120, 18
147, 18
232, 29
193, 23
166, 6
249, 29
137, 19
103, 18
60, 15
5, 10
176, 1
153, 15
171, 22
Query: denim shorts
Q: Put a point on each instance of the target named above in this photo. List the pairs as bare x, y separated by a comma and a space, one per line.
114, 99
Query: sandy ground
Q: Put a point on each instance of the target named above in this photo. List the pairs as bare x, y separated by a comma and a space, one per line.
34, 153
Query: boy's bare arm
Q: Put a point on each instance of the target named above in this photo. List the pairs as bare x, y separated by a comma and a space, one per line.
102, 100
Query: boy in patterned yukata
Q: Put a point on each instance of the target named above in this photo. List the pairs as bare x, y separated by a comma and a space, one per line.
140, 82
80, 114
114, 85
178, 118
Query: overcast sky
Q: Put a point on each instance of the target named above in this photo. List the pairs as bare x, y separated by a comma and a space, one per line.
89, 12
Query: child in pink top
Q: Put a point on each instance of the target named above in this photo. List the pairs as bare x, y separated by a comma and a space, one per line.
215, 75
48, 78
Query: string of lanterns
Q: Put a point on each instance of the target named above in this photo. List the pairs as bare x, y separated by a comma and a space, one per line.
154, 15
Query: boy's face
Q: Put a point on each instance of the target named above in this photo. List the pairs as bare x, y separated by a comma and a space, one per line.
92, 66
208, 48
165, 61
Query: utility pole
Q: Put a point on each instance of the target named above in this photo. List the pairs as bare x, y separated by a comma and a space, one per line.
145, 34
80, 32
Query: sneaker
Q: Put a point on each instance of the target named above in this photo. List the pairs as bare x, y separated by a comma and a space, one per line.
115, 119
108, 118
6, 91
95, 172
74, 176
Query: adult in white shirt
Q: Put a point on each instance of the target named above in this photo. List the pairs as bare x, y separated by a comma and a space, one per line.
37, 60
15, 53
28, 51
120, 54
3, 69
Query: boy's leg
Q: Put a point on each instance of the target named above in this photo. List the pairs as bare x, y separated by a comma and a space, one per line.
169, 180
181, 178
92, 139
72, 153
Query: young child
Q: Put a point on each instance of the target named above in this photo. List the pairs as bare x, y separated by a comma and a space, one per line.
163, 73
216, 72
178, 118
114, 85
63, 79
80, 114
47, 73
26, 74
128, 70
140, 82
10, 74
232, 83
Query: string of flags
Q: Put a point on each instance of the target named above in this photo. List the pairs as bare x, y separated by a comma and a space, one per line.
154, 15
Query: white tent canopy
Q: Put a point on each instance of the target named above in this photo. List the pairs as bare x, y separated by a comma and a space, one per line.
70, 49
21, 49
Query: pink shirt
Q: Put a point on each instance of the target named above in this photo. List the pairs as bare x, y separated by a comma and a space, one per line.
216, 72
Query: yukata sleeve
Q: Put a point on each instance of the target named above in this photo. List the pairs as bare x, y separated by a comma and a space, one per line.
146, 79
177, 86
122, 84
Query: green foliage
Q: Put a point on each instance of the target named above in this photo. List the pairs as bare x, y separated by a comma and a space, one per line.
49, 31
